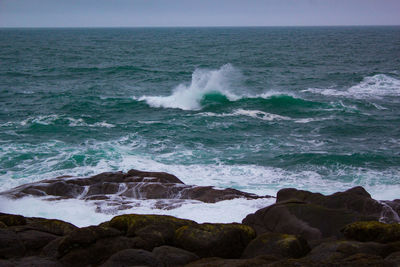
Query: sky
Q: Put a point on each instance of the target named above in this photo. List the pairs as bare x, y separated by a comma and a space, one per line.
155, 13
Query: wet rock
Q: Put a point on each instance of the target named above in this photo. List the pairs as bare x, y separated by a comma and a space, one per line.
356, 199
97, 252
214, 240
304, 213
130, 223
278, 245
171, 256
299, 218
35, 240
394, 258
85, 236
10, 245
372, 231
339, 250
133, 257
51, 226
12, 220
33, 261
218, 262
124, 187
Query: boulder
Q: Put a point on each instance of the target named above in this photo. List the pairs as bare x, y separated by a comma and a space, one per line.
304, 213
372, 231
278, 245
214, 240
339, 250
172, 256
263, 261
97, 252
133, 257
115, 190
11, 245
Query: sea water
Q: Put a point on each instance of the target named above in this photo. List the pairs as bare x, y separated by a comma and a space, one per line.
256, 109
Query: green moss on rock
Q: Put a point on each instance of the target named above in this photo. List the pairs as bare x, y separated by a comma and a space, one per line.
12, 220
372, 231
130, 223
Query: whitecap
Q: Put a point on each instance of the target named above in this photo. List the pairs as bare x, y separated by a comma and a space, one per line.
377, 86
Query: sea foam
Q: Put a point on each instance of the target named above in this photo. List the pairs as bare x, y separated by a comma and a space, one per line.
371, 87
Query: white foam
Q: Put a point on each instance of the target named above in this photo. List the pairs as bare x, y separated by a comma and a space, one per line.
376, 86
256, 114
204, 81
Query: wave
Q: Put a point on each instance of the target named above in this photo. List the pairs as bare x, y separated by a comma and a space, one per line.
205, 84
256, 114
210, 87
53, 119
377, 86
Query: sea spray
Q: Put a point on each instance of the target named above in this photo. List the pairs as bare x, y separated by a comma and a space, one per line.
204, 81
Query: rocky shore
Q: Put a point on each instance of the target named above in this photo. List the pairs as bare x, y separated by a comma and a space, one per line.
301, 229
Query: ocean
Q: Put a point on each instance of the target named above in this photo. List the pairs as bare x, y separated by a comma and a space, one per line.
256, 109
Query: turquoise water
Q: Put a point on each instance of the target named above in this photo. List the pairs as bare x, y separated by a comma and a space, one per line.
257, 109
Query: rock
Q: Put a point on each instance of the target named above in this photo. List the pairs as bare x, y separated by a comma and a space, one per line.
356, 199
218, 262
132, 257
52, 226
130, 223
12, 220
113, 190
394, 258
278, 245
339, 250
10, 245
214, 240
171, 256
304, 213
35, 240
299, 218
96, 253
372, 231
33, 261
85, 236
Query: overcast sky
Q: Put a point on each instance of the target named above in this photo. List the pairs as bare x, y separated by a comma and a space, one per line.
134, 13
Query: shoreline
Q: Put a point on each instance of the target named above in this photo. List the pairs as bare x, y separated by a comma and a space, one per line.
300, 228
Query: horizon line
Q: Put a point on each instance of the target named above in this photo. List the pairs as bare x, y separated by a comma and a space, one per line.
194, 26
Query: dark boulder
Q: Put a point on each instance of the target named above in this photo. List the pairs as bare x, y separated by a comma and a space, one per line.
313, 215
11, 245
278, 245
263, 261
339, 250
214, 240
173, 257
132, 257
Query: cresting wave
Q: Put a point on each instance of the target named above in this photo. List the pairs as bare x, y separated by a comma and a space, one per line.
207, 86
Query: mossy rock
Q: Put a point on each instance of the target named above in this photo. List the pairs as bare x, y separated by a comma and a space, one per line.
130, 223
53, 226
215, 240
12, 220
372, 231
276, 244
83, 237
